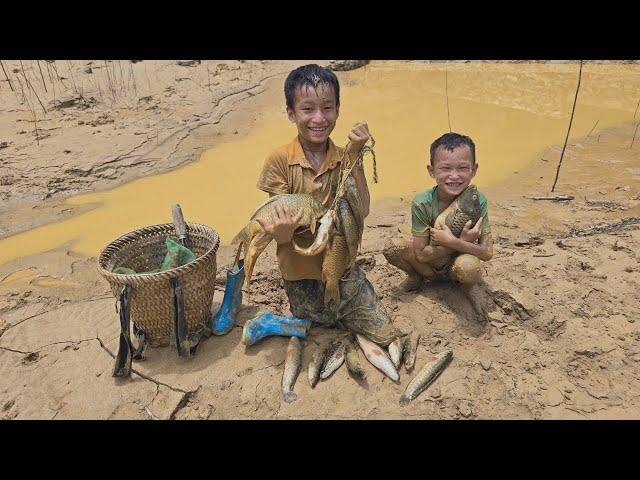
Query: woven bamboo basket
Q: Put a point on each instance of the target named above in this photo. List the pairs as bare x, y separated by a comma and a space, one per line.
151, 293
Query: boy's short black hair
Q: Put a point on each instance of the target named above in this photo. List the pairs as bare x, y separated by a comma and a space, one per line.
451, 141
310, 76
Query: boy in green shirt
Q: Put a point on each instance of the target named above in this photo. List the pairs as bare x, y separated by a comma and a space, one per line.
453, 165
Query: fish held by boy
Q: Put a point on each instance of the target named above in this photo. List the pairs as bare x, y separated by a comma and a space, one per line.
426, 376
291, 369
463, 209
253, 236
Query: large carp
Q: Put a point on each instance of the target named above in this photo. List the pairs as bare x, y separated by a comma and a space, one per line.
464, 208
254, 238
341, 251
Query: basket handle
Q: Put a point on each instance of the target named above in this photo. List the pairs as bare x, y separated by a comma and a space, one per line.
179, 223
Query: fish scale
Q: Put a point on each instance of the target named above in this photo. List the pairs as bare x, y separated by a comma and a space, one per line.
464, 208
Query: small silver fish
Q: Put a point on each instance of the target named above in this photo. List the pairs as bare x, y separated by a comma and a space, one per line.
395, 352
291, 369
336, 354
409, 350
315, 365
378, 358
425, 377
352, 361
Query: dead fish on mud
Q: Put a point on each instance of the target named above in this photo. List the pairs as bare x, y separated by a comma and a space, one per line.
378, 358
254, 238
426, 376
315, 365
335, 355
464, 208
395, 352
409, 350
352, 361
291, 369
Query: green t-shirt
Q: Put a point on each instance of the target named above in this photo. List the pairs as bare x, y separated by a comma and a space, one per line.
424, 211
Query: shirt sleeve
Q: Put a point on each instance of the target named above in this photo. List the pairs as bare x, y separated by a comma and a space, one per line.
274, 176
420, 221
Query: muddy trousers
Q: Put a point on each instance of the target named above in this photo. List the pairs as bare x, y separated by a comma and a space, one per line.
359, 311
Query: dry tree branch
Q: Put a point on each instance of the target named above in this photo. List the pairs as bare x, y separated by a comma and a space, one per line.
575, 100
6, 76
24, 74
634, 135
42, 76
446, 89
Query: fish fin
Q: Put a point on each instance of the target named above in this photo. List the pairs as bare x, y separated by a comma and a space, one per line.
289, 397
332, 293
254, 249
240, 237
404, 400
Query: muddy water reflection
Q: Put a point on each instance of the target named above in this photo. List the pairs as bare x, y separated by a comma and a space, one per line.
512, 111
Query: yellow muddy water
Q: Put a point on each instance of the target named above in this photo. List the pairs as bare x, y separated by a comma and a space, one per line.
512, 111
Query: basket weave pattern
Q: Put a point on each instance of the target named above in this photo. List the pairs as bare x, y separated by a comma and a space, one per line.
152, 295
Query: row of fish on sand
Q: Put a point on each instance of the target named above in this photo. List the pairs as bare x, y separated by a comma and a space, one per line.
330, 357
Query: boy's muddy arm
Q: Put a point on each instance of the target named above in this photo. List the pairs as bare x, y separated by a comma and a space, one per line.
358, 137
363, 189
425, 253
283, 225
483, 250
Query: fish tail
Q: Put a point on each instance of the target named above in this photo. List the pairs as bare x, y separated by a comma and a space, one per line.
289, 397
240, 237
332, 293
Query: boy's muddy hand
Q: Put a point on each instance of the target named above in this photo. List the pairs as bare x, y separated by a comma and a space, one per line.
358, 136
469, 234
444, 237
282, 224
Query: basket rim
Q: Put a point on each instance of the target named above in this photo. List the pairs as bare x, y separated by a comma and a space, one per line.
142, 278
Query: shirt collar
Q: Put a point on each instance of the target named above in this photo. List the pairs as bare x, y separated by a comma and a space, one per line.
298, 157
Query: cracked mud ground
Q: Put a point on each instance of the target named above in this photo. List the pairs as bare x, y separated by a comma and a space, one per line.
562, 337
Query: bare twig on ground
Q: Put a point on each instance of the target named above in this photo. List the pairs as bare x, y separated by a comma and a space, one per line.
634, 135
28, 83
556, 198
446, 89
575, 100
6, 76
42, 76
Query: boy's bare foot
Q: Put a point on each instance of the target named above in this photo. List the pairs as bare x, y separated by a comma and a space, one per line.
412, 283
473, 294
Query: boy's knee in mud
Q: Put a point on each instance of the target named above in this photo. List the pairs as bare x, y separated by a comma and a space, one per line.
467, 269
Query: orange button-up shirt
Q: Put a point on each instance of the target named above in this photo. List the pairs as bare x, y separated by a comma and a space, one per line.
287, 170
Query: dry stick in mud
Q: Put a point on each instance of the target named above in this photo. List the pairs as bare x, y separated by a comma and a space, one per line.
42, 77
446, 90
6, 76
31, 87
569, 129
634, 135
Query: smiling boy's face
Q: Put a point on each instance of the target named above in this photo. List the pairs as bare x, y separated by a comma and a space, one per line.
453, 169
315, 112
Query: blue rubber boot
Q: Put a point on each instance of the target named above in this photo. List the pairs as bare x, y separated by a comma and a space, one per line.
225, 318
266, 324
